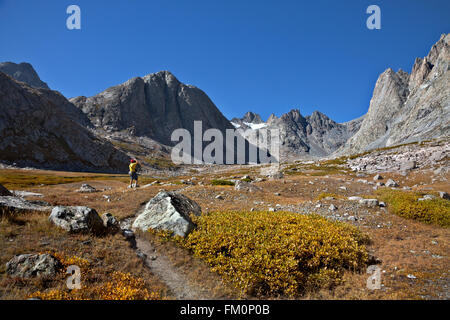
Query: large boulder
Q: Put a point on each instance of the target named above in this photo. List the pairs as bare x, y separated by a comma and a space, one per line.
4, 192
32, 265
168, 211
77, 219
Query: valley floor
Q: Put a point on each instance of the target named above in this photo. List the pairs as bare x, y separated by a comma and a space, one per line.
413, 256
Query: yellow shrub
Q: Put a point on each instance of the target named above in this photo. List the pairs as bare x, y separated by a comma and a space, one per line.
123, 286
277, 253
406, 204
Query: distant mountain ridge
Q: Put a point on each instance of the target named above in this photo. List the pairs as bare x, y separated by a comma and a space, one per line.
404, 108
311, 136
40, 127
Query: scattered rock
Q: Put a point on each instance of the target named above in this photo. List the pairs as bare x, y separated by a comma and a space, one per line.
377, 177
85, 188
444, 195
168, 211
354, 198
110, 223
245, 186
371, 203
408, 165
4, 192
276, 175
128, 234
32, 265
391, 183
77, 219
373, 260
219, 197
332, 207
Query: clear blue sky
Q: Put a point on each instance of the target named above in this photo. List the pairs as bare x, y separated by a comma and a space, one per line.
264, 56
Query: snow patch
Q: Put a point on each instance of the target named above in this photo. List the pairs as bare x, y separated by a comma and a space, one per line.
255, 126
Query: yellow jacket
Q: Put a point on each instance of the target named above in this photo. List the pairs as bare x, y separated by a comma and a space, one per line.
133, 167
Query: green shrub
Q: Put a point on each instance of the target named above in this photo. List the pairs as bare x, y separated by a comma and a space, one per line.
218, 182
277, 253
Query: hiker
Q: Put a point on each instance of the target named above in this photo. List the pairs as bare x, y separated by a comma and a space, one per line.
134, 166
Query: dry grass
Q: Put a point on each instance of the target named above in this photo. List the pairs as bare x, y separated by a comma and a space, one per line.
32, 233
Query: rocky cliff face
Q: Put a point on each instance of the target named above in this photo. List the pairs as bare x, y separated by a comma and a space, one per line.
23, 72
312, 136
40, 128
152, 106
408, 107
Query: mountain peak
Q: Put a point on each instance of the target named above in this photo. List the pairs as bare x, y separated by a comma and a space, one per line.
23, 72
251, 117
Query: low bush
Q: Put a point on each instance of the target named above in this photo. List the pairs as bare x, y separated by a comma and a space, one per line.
406, 204
121, 286
218, 182
277, 253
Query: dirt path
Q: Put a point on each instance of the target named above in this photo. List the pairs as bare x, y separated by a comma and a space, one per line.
175, 280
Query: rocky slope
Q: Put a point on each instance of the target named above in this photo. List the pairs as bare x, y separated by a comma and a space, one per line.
408, 107
152, 106
23, 72
40, 128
